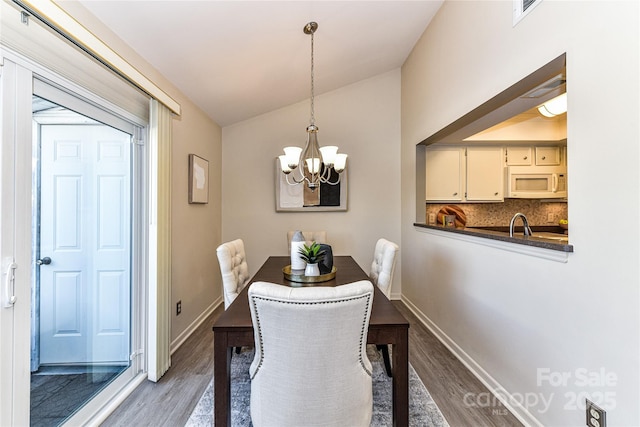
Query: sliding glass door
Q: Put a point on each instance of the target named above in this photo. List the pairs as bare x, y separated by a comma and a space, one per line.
74, 316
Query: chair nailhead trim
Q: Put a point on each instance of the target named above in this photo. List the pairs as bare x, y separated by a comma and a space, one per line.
362, 331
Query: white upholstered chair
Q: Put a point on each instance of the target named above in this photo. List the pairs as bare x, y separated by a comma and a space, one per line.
381, 274
309, 236
234, 269
383, 265
294, 380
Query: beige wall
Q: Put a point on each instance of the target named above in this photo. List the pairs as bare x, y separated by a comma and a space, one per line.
509, 315
196, 229
364, 121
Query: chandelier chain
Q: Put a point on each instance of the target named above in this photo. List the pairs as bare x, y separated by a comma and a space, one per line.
311, 164
313, 118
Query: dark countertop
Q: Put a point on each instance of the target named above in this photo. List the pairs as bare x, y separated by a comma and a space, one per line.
502, 234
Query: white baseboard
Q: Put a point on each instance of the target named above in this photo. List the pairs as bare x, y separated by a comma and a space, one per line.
519, 411
180, 339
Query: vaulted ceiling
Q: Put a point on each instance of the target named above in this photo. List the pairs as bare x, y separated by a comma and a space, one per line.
239, 59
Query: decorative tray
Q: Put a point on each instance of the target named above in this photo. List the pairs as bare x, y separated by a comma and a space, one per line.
301, 278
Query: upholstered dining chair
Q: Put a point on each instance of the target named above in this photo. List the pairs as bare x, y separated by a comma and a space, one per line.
234, 269
294, 380
309, 236
381, 274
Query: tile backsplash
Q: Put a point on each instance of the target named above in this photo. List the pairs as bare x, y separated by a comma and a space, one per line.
500, 214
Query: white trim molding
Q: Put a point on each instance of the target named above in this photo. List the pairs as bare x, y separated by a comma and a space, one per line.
180, 339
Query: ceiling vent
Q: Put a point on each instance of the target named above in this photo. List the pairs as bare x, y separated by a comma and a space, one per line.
546, 87
521, 8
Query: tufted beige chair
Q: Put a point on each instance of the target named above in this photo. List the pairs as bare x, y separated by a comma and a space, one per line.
383, 265
294, 380
381, 274
234, 269
309, 236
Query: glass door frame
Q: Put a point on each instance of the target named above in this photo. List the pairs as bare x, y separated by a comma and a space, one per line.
18, 80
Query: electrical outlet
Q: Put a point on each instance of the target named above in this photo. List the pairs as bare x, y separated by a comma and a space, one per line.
550, 217
432, 218
596, 416
179, 307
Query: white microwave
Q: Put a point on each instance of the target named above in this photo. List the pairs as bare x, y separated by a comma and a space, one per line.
536, 182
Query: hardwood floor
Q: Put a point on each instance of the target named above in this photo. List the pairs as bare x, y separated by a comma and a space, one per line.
449, 381
170, 401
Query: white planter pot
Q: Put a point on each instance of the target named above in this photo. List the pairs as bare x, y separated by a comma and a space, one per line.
312, 270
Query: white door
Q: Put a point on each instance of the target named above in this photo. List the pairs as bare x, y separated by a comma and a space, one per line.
85, 241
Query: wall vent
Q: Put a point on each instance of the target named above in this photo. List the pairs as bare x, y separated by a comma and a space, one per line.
521, 8
546, 87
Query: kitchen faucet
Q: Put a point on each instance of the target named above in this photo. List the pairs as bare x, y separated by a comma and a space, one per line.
525, 223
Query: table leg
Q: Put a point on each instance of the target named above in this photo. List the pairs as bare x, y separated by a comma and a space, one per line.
401, 378
222, 380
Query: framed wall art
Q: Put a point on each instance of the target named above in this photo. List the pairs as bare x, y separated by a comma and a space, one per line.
198, 179
298, 198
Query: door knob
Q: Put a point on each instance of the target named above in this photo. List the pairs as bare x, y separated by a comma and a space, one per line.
46, 261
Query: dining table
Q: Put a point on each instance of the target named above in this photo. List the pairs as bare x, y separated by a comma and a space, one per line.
387, 326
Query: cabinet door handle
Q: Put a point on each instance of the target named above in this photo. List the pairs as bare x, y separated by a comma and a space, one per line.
525, 157
544, 157
455, 194
495, 194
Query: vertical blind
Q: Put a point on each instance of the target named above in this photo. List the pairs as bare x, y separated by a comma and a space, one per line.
160, 234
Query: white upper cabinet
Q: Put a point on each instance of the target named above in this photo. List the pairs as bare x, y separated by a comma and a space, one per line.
464, 174
547, 156
485, 174
519, 156
445, 169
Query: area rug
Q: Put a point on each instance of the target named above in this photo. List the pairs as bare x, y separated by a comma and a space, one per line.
422, 409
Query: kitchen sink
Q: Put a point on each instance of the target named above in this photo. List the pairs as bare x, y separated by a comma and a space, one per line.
543, 233
551, 236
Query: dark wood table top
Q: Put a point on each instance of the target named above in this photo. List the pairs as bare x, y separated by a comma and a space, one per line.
386, 326
238, 316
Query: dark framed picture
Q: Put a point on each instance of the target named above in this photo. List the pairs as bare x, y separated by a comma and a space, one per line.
198, 179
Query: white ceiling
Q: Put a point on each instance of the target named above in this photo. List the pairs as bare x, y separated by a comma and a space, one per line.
238, 59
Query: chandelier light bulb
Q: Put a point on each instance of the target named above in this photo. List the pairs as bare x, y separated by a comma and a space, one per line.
284, 164
340, 162
293, 156
329, 154
313, 165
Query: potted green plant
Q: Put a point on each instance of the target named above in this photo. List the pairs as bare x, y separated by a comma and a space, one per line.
312, 255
